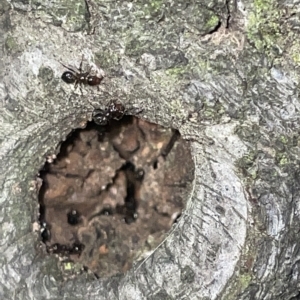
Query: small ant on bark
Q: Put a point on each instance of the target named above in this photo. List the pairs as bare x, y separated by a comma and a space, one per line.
100, 116
80, 77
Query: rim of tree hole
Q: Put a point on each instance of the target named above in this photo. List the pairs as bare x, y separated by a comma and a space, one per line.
113, 192
185, 234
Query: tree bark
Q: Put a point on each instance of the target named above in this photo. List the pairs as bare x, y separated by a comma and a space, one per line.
225, 74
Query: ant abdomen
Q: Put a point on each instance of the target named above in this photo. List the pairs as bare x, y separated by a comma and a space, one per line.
68, 77
94, 80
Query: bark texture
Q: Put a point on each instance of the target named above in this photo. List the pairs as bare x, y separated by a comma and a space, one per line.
225, 74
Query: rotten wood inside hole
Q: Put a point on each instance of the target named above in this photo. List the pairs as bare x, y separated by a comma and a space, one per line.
113, 193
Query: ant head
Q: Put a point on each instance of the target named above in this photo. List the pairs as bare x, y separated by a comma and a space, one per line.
68, 77
101, 117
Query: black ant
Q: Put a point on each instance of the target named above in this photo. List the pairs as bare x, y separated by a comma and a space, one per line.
114, 111
73, 217
45, 231
81, 78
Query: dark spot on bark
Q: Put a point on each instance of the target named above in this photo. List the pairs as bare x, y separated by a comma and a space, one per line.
161, 295
220, 210
187, 275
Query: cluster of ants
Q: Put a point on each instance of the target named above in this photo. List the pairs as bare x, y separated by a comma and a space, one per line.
62, 250
100, 116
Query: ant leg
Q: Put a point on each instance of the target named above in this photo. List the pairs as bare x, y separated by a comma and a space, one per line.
80, 66
76, 84
86, 74
70, 69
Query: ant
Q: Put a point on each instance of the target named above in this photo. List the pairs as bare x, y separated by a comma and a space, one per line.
81, 78
100, 116
114, 111
73, 217
45, 231
64, 250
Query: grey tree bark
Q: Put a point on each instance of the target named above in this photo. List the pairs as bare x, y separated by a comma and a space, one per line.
225, 74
